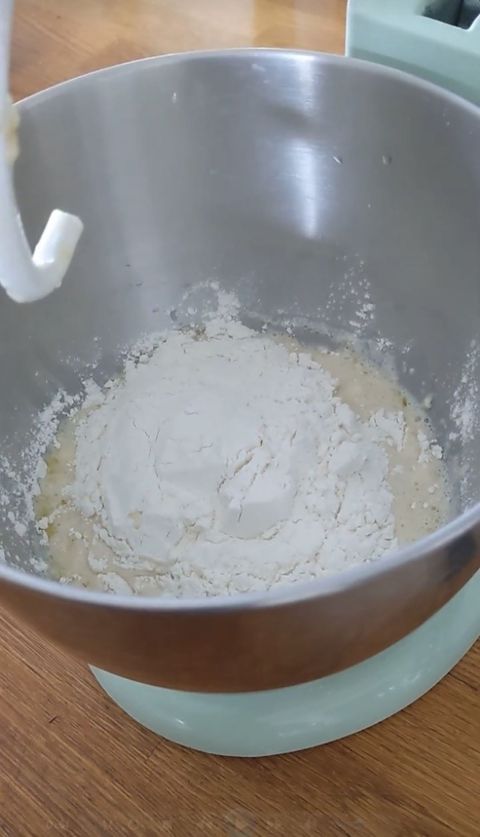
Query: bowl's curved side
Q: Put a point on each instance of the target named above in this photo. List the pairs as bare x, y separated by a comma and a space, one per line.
250, 646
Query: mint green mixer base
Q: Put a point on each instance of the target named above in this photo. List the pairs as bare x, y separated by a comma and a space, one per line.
284, 720
397, 33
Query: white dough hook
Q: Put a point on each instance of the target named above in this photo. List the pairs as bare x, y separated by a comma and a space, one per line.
24, 277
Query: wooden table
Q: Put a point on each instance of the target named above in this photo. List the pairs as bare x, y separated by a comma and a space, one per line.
70, 761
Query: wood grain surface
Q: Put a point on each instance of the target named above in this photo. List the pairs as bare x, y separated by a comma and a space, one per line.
70, 761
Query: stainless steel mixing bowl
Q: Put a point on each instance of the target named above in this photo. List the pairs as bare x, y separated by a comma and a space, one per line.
298, 180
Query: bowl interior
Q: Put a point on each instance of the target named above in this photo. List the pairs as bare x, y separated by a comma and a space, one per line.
309, 185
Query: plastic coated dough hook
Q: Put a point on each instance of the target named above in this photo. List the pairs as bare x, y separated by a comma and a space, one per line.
24, 277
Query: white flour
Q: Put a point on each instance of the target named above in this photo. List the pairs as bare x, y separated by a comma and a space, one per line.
228, 463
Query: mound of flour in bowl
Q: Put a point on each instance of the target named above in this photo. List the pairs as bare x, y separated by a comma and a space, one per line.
227, 462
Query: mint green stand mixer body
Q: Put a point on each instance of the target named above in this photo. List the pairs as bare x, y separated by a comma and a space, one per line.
420, 38
299, 717
438, 40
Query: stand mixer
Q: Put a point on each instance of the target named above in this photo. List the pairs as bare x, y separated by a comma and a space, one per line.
438, 41
292, 717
